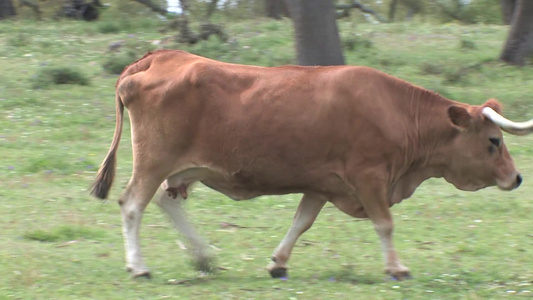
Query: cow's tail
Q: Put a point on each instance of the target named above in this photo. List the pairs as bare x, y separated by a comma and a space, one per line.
106, 173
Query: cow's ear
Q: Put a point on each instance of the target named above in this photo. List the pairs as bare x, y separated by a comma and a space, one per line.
459, 116
494, 104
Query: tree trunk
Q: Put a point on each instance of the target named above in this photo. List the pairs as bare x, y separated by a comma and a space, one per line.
519, 43
211, 7
316, 34
6, 9
392, 10
276, 9
508, 7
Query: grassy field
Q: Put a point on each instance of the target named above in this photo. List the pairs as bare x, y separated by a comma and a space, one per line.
56, 242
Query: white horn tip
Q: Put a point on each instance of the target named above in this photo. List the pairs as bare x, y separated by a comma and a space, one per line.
517, 128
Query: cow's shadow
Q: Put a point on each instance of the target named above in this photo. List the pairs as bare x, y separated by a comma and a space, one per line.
335, 276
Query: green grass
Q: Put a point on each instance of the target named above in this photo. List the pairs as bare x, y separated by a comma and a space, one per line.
59, 243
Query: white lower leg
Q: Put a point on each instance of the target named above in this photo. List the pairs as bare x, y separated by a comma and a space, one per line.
303, 219
199, 248
392, 262
131, 221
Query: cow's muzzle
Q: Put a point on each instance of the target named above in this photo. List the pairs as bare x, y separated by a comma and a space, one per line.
512, 184
518, 180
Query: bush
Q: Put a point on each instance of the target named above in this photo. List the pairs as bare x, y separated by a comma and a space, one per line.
108, 27
115, 64
467, 45
355, 43
18, 40
49, 75
430, 68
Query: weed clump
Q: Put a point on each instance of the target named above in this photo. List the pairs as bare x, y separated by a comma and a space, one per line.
357, 43
63, 233
19, 40
430, 68
467, 45
54, 75
108, 27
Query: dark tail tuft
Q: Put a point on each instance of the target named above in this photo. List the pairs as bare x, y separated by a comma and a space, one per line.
104, 179
106, 174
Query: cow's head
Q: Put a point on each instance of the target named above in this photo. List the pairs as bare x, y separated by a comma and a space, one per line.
480, 157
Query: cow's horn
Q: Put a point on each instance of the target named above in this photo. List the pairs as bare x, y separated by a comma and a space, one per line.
517, 128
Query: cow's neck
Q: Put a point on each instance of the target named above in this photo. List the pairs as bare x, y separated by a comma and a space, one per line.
430, 153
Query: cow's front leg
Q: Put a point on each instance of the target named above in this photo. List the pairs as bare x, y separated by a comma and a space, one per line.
384, 228
307, 211
376, 206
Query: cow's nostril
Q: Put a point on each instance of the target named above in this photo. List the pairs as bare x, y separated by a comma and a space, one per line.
518, 180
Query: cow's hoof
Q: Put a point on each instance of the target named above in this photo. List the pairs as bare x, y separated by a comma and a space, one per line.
400, 276
139, 273
278, 273
145, 274
204, 264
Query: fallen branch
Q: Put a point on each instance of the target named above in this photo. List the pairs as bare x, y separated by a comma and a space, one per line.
365, 9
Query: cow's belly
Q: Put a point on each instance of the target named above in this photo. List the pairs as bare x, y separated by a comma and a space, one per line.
247, 185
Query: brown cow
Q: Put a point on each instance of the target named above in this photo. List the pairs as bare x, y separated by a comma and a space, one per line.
353, 136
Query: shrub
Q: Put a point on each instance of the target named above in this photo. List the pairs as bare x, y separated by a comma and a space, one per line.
49, 75
108, 27
18, 40
467, 44
357, 43
115, 64
431, 68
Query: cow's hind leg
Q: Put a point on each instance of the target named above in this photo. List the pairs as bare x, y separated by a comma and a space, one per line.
171, 202
132, 202
308, 210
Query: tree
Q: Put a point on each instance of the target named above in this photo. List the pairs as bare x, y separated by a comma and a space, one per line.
519, 44
507, 10
316, 34
211, 7
6, 9
276, 9
392, 10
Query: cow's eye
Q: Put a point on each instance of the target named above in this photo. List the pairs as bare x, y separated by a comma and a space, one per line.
495, 141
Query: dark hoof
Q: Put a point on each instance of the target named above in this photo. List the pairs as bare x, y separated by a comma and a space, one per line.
400, 277
205, 265
279, 273
145, 274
